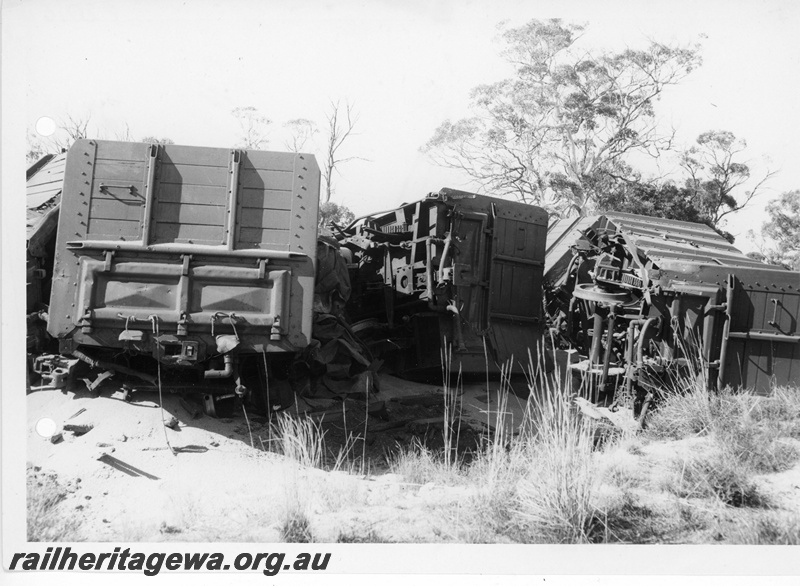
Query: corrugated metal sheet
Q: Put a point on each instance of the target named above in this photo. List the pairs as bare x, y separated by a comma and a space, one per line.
46, 183
42, 188
661, 239
561, 234
658, 239
741, 314
33, 169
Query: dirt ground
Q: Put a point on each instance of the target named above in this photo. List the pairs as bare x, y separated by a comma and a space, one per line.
131, 478
127, 477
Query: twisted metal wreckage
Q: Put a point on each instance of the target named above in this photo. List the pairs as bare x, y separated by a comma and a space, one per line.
204, 268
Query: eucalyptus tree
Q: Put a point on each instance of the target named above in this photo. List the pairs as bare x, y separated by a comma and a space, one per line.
717, 172
301, 131
253, 127
341, 124
782, 230
564, 125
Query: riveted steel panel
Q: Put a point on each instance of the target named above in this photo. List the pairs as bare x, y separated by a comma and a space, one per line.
763, 345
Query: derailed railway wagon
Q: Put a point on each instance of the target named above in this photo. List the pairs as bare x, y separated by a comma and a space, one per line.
203, 268
200, 259
644, 299
454, 270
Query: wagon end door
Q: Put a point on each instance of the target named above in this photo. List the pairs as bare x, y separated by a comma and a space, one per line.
515, 284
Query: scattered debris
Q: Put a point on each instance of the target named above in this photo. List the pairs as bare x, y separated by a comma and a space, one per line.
169, 528
54, 369
194, 410
622, 419
92, 386
78, 429
103, 452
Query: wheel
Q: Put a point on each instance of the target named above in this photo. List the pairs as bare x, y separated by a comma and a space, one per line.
591, 292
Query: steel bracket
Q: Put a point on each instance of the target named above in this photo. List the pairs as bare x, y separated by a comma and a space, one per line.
107, 263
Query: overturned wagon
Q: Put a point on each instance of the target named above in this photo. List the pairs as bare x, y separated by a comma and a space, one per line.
454, 269
207, 262
642, 299
199, 258
203, 267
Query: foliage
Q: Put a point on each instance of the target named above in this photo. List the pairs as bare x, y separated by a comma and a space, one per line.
664, 200
301, 130
333, 213
253, 127
783, 230
156, 140
715, 174
36, 148
565, 123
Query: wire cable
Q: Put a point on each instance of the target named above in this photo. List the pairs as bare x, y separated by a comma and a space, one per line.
154, 320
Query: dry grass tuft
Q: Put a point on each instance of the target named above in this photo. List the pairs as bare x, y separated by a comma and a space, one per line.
370, 536
771, 528
538, 483
296, 527
755, 431
717, 473
557, 497
549, 481
693, 411
419, 464
300, 439
627, 520
45, 521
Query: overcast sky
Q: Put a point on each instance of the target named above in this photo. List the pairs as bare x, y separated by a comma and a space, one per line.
177, 69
